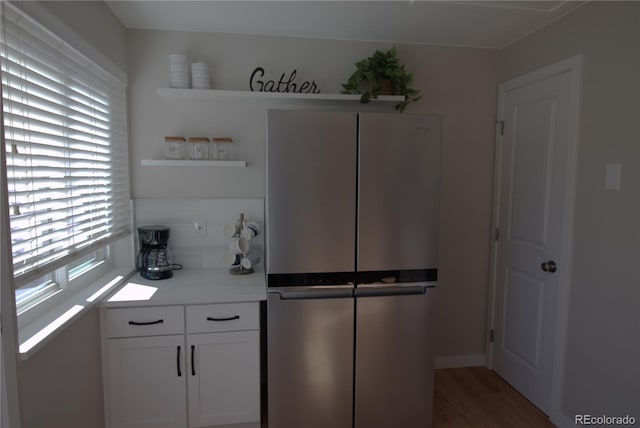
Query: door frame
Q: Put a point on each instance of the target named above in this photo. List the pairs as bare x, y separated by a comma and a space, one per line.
573, 66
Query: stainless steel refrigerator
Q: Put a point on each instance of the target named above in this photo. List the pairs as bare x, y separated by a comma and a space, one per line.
352, 228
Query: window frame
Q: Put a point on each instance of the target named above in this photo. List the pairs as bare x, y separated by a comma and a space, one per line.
60, 282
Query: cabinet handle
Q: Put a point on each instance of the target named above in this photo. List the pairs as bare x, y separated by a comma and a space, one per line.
235, 317
145, 322
178, 362
193, 367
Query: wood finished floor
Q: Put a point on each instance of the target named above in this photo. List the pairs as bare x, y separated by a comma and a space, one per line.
475, 397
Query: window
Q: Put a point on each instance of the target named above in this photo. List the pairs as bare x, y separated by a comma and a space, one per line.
66, 159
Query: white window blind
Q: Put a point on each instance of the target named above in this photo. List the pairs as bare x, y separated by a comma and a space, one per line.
67, 160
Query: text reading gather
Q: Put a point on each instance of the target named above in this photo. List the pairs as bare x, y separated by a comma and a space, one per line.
285, 84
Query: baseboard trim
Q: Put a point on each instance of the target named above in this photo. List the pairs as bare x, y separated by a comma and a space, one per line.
454, 361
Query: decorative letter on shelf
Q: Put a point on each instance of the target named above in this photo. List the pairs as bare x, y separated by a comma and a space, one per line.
285, 84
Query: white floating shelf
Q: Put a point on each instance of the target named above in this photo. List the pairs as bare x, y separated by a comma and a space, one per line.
285, 96
190, 163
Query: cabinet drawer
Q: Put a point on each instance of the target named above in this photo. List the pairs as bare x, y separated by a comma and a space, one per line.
222, 317
129, 322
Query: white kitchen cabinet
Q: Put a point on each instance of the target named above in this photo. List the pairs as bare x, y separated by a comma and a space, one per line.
147, 382
224, 378
223, 317
151, 321
224, 374
206, 376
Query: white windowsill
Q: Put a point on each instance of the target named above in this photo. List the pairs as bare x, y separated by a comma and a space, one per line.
36, 334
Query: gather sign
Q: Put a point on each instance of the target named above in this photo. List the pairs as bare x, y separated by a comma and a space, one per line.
286, 83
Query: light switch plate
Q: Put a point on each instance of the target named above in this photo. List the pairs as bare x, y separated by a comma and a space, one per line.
612, 176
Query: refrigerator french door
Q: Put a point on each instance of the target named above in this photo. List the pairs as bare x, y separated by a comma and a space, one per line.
352, 211
311, 235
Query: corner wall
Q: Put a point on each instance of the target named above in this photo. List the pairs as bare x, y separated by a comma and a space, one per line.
61, 385
602, 370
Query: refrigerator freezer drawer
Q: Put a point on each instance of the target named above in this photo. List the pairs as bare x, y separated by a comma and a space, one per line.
310, 362
394, 360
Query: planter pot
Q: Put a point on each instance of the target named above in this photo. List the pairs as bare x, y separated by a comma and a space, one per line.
385, 87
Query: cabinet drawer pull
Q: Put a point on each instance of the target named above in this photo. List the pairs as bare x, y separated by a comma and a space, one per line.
193, 367
235, 317
178, 362
146, 322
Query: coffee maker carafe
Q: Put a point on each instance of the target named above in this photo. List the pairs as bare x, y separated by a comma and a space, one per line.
154, 260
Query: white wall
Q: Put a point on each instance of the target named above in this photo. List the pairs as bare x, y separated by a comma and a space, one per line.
204, 248
88, 26
458, 83
602, 372
61, 385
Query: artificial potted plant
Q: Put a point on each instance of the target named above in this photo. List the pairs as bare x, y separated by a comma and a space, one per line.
381, 74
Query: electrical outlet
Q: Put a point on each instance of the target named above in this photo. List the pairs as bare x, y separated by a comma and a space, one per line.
201, 227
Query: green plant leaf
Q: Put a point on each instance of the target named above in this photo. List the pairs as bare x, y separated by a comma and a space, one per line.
381, 65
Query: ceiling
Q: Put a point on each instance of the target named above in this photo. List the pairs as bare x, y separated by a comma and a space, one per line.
483, 24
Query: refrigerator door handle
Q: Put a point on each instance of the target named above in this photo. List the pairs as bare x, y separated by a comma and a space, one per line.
303, 293
390, 290
426, 284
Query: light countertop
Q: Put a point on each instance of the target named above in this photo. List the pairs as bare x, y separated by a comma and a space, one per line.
190, 286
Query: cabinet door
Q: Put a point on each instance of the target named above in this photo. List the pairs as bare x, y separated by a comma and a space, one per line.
147, 382
224, 378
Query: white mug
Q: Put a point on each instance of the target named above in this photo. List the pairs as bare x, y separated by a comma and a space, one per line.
250, 230
231, 229
254, 256
246, 263
231, 259
239, 246
248, 233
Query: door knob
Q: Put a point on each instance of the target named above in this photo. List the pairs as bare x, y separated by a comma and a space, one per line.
549, 266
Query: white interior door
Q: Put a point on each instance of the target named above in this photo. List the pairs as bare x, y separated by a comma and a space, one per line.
535, 160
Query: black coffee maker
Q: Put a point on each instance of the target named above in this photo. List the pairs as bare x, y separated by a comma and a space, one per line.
154, 260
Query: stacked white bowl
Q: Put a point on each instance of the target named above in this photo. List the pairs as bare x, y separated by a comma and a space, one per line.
200, 78
178, 71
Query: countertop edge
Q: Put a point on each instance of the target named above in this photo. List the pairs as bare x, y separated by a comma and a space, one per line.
192, 287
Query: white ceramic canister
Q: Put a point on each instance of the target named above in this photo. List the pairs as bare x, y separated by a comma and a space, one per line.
200, 76
178, 71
